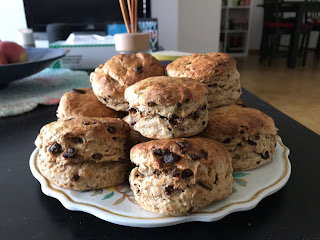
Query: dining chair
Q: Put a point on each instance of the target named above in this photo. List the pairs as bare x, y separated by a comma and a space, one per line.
274, 27
313, 19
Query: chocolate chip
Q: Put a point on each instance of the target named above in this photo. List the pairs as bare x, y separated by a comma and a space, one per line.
204, 153
183, 145
175, 172
257, 137
132, 122
171, 158
138, 69
195, 115
169, 190
71, 153
174, 119
242, 132
193, 156
151, 104
204, 107
204, 122
212, 85
187, 173
170, 129
55, 148
163, 117
216, 180
77, 140
179, 105
251, 142
138, 191
201, 184
111, 129
78, 91
265, 155
226, 140
75, 177
187, 100
97, 156
104, 99
158, 152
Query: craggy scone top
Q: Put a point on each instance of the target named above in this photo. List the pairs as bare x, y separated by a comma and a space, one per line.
83, 103
232, 120
183, 158
201, 66
124, 70
165, 91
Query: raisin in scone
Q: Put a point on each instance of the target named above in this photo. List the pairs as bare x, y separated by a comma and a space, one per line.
167, 107
249, 135
84, 153
217, 70
178, 176
110, 80
83, 103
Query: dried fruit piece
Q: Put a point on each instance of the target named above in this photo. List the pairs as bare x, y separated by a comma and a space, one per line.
55, 148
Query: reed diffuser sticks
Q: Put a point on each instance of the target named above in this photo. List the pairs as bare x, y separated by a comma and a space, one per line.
133, 9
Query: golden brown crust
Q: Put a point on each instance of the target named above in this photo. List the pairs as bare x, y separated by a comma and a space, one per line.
165, 91
124, 70
182, 147
201, 66
177, 176
83, 103
228, 121
90, 139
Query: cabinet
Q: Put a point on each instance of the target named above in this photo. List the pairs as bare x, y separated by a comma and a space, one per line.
235, 27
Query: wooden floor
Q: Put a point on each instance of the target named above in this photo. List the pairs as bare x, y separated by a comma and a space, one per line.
296, 92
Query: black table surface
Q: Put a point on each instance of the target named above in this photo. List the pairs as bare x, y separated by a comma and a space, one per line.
26, 213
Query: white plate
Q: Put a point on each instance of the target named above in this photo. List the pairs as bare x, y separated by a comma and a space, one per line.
117, 204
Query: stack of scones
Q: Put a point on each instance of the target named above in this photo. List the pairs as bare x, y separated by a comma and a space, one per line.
185, 132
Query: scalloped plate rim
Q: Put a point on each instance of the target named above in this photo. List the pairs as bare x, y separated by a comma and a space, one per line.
165, 221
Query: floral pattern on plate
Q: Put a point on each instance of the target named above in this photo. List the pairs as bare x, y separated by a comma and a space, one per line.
117, 205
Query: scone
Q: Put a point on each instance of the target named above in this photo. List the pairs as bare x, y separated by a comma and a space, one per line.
84, 153
134, 136
167, 107
249, 135
178, 176
217, 70
110, 80
83, 103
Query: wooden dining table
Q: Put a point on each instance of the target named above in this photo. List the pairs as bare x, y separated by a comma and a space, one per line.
300, 8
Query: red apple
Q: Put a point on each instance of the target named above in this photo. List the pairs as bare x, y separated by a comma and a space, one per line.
3, 59
13, 52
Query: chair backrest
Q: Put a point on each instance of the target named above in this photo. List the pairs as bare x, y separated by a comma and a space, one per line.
273, 12
312, 16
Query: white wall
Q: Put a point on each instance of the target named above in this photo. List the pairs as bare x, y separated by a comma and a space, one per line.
199, 25
188, 25
12, 18
166, 11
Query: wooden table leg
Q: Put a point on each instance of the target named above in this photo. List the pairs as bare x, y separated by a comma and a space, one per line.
295, 38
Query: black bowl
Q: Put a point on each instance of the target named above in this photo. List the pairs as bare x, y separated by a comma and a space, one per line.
39, 59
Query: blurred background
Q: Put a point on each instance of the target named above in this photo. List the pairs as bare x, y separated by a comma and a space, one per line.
275, 42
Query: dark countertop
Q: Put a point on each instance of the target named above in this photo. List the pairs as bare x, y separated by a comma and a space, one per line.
26, 213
